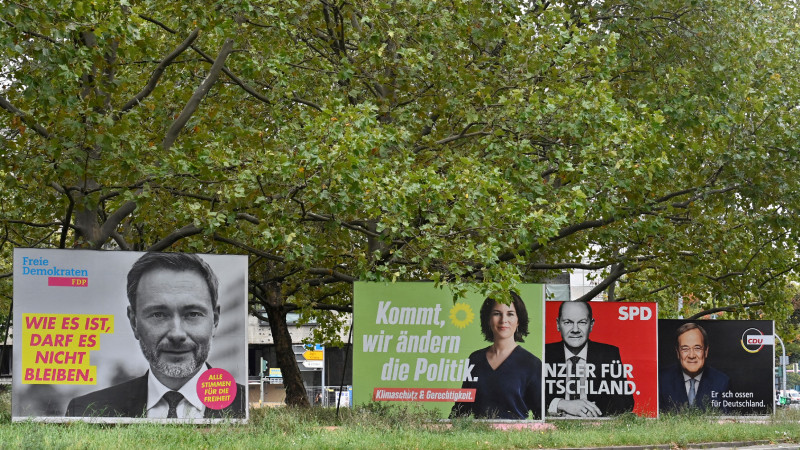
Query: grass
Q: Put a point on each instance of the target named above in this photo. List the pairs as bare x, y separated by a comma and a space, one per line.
377, 425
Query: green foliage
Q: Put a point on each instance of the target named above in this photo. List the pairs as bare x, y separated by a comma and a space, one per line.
454, 141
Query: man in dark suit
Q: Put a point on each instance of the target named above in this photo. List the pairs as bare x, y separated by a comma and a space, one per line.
129, 399
692, 384
584, 378
174, 315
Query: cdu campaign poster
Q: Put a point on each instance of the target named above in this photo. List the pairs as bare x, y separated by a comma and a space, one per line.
473, 357
112, 336
600, 359
717, 366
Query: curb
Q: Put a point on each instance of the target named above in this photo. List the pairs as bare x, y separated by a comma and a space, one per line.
698, 445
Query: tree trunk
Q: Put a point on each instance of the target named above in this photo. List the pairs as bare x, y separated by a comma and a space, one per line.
295, 390
87, 224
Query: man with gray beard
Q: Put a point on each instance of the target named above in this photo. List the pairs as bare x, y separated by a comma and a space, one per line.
174, 315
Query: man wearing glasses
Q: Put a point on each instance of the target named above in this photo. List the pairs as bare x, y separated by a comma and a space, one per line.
583, 378
693, 384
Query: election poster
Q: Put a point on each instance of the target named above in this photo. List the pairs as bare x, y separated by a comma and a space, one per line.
600, 359
473, 357
718, 366
112, 336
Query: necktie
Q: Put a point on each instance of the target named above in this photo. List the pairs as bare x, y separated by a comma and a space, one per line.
692, 392
173, 398
574, 360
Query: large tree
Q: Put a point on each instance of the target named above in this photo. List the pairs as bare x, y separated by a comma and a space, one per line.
458, 141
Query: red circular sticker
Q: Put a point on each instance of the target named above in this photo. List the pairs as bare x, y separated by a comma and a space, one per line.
216, 388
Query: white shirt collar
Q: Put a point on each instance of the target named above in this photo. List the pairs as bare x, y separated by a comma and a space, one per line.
582, 354
156, 390
686, 377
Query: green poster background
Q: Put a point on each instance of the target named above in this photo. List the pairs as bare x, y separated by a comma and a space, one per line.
454, 328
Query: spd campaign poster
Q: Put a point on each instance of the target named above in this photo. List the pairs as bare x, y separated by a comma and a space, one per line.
719, 366
600, 359
474, 357
112, 336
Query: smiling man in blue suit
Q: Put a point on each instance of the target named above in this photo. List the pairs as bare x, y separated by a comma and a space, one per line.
693, 383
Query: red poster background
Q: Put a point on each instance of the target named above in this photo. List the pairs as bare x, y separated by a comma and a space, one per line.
636, 338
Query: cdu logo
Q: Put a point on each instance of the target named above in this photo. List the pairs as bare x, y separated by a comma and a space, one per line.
753, 340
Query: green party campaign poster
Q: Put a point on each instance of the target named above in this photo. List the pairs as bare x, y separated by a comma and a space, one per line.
475, 357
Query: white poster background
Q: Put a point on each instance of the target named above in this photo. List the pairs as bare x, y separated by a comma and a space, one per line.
119, 358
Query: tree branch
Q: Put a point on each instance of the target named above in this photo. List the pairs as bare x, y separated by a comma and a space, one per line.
352, 225
651, 292
194, 101
31, 33
321, 307
330, 272
722, 277
725, 309
616, 272
297, 99
248, 248
590, 224
30, 224
158, 72
461, 136
252, 219
179, 193
62, 242
123, 244
562, 266
175, 236
113, 220
208, 58
40, 130
702, 194
782, 272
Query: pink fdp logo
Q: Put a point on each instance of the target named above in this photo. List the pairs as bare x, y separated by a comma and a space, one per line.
753, 340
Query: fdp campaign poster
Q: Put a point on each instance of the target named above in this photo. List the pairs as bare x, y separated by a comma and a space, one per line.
128, 336
475, 357
722, 366
600, 359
